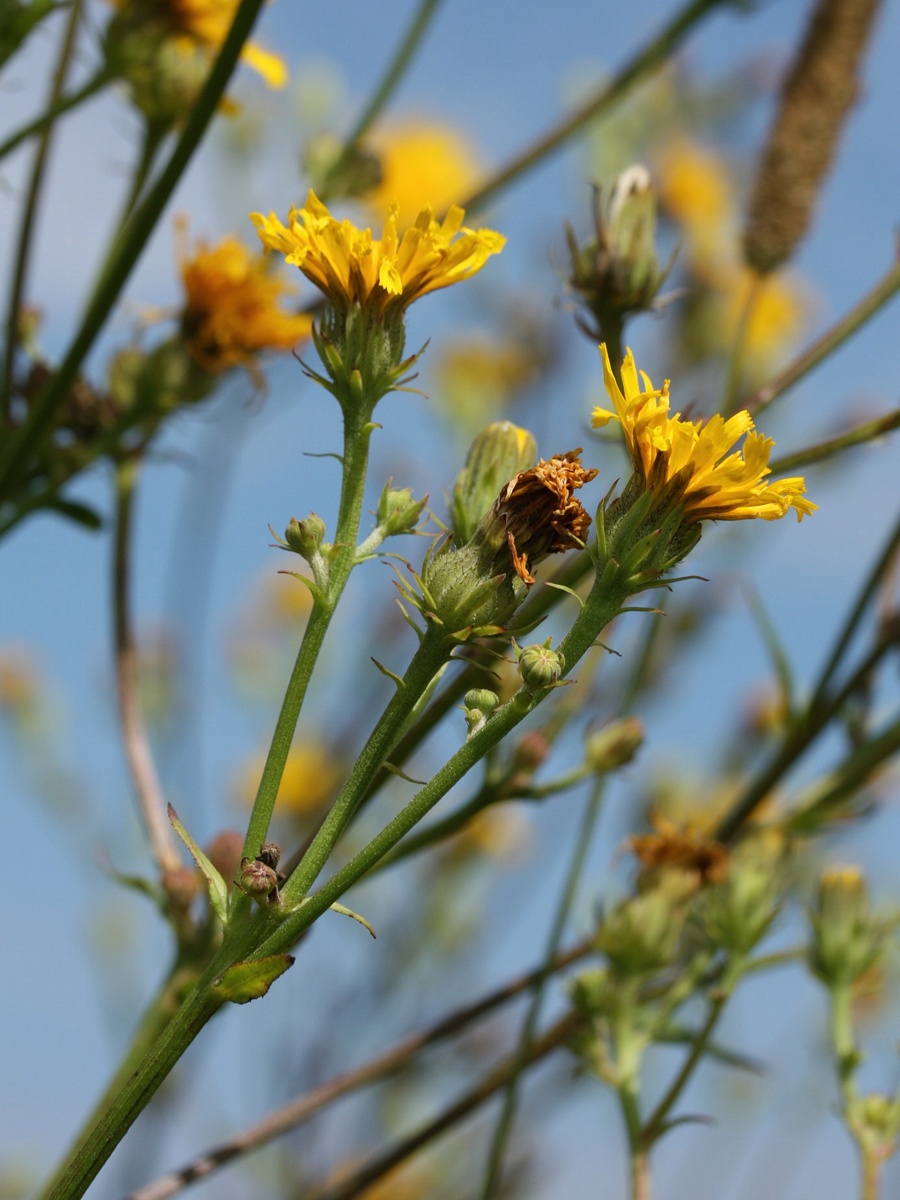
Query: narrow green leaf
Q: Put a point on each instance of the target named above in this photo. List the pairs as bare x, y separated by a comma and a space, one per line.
80, 513
348, 912
247, 981
218, 891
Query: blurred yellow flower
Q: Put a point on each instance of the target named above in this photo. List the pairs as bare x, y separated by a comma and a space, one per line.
778, 308
19, 685
695, 190
232, 308
422, 164
351, 267
477, 376
502, 833
310, 777
691, 460
204, 24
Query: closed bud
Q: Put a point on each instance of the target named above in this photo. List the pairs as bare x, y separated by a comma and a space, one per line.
498, 453
305, 537
737, 913
617, 273
540, 667
258, 879
479, 705
398, 510
614, 745
224, 852
847, 937
270, 854
643, 934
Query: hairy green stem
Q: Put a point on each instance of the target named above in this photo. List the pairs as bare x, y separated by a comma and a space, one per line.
433, 652
357, 434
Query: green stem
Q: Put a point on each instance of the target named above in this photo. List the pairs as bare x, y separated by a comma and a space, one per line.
357, 433
23, 240
384, 91
62, 105
858, 436
653, 1126
826, 345
129, 246
157, 1016
604, 602
433, 652
503, 1128
653, 56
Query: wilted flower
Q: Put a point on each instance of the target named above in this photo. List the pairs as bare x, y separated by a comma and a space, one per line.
232, 310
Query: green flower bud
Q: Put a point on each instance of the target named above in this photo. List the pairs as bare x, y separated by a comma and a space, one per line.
165, 75
614, 745
398, 510
498, 453
737, 913
847, 937
479, 704
258, 879
877, 1118
617, 273
540, 667
305, 537
476, 587
643, 934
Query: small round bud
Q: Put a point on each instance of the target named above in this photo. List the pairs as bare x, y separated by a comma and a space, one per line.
305, 537
479, 704
224, 852
270, 854
257, 879
541, 667
181, 885
398, 510
614, 745
531, 751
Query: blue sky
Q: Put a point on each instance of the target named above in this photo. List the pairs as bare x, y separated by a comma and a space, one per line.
503, 71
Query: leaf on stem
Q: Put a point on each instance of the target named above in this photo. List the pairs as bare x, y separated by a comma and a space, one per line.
247, 981
218, 891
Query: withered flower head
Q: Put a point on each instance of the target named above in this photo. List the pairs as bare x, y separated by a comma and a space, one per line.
540, 512
674, 848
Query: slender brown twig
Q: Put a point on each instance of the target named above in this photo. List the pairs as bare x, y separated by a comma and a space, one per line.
300, 1109
150, 798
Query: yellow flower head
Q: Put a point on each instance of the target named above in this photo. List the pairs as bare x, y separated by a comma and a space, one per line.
204, 24
310, 776
696, 191
232, 308
384, 276
421, 164
714, 481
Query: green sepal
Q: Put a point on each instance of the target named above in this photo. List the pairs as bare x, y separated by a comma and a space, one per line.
81, 514
247, 981
215, 884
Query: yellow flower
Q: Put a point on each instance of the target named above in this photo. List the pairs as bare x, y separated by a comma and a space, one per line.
231, 311
310, 777
204, 24
711, 479
384, 276
421, 164
696, 191
778, 307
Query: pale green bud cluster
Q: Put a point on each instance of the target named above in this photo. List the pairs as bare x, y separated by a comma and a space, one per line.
643, 934
498, 452
479, 705
398, 510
